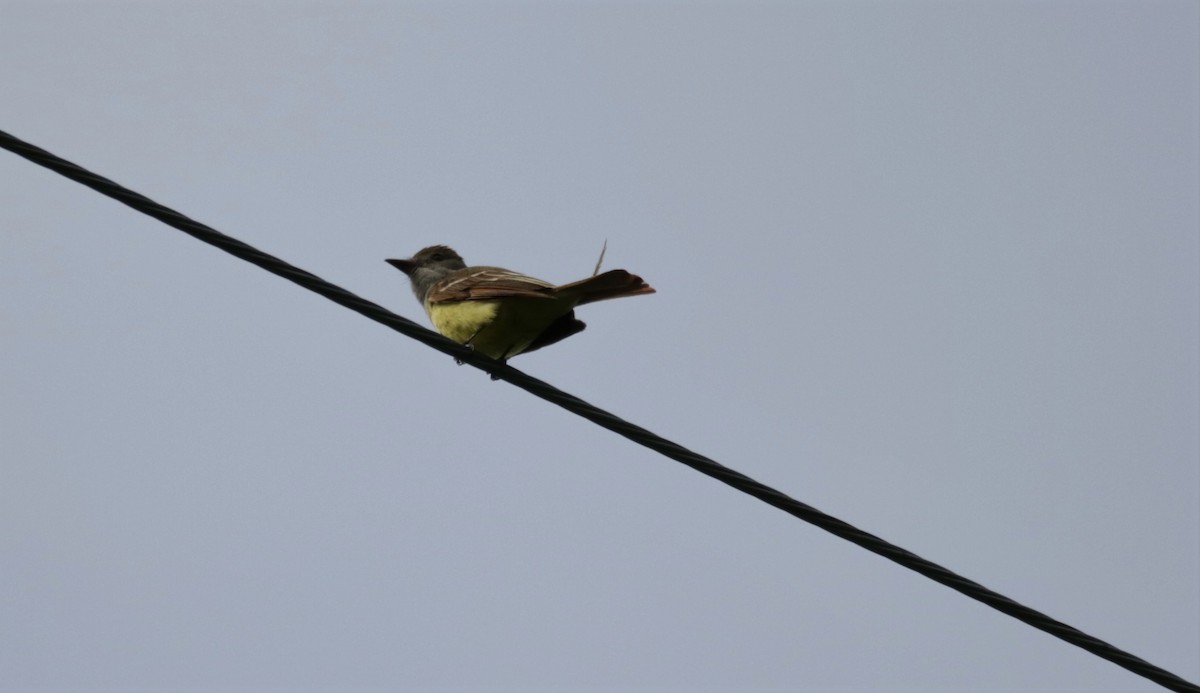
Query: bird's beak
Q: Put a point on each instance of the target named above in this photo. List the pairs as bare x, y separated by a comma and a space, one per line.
405, 266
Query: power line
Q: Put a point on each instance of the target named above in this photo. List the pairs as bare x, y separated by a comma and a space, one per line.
598, 416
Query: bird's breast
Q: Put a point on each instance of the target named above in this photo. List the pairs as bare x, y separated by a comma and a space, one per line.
461, 320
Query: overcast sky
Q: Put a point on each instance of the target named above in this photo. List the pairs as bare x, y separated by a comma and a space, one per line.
931, 267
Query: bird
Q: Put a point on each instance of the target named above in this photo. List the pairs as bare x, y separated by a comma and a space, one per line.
502, 313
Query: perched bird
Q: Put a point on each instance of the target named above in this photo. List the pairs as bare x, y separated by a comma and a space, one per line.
502, 313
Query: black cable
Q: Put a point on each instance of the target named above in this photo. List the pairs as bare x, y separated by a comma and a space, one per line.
600, 417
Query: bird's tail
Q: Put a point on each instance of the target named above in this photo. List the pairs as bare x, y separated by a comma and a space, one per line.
611, 284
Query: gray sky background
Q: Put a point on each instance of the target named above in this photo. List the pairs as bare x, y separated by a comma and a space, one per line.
930, 267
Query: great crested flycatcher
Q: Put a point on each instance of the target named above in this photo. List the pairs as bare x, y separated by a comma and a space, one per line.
502, 313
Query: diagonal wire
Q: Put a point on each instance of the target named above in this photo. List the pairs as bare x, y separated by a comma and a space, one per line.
573, 404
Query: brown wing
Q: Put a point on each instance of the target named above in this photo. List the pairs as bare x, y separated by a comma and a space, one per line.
481, 283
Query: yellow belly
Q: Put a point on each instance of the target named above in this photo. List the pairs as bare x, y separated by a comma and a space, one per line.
499, 329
